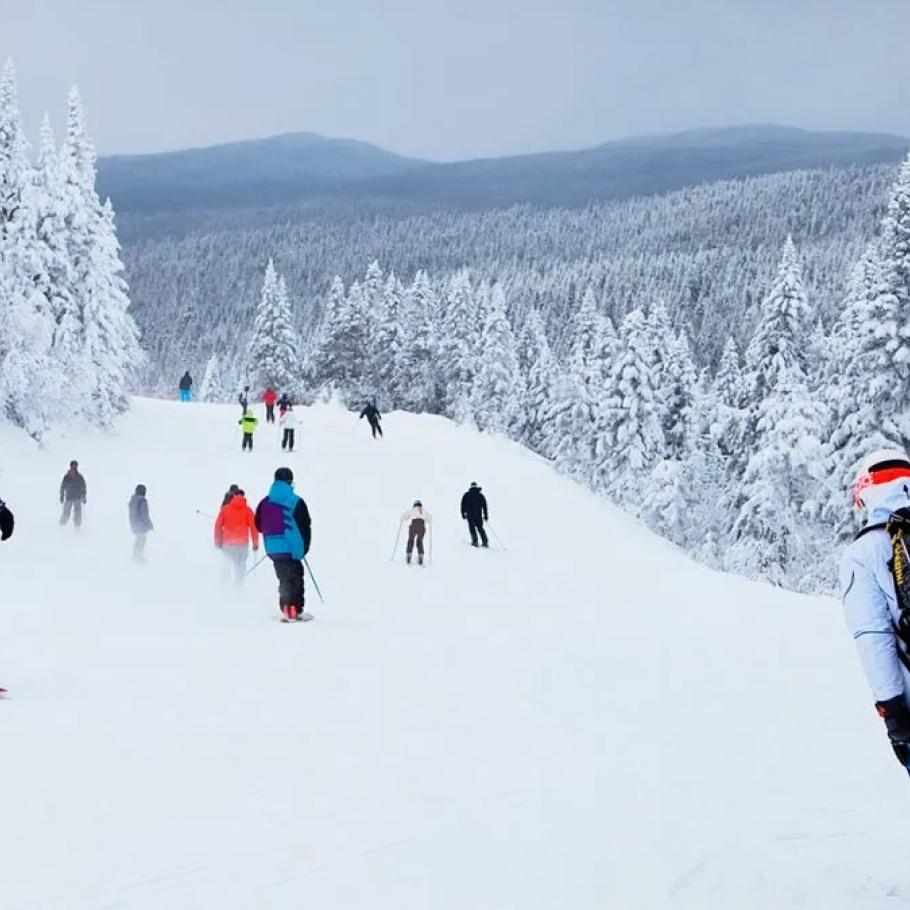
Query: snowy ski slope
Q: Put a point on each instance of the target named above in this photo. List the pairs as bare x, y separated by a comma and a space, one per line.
585, 721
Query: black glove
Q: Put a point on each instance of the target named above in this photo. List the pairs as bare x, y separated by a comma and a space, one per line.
896, 715
7, 523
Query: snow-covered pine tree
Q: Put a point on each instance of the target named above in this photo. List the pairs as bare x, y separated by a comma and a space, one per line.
417, 368
388, 344
773, 531
111, 352
28, 390
540, 386
630, 439
458, 354
212, 388
498, 389
780, 339
272, 356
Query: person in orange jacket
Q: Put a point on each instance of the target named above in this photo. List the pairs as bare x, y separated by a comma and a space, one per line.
235, 530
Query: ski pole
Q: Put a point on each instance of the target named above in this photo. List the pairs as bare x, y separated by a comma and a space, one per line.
255, 566
313, 579
397, 538
497, 537
204, 514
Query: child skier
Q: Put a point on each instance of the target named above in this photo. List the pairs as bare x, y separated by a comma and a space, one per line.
284, 522
288, 423
419, 521
269, 398
140, 522
284, 403
248, 424
235, 530
876, 604
72, 495
474, 512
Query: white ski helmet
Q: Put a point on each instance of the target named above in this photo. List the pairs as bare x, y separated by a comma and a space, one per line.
878, 474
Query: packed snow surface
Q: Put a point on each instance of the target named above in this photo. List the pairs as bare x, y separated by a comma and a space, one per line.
586, 720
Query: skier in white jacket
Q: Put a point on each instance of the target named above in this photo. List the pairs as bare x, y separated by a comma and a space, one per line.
871, 602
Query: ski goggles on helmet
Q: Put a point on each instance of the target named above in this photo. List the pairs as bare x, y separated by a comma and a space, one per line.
880, 474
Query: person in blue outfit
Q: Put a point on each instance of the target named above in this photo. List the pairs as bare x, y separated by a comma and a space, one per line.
186, 387
284, 522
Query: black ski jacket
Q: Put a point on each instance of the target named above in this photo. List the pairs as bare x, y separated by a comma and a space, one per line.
7, 522
72, 487
371, 412
186, 382
474, 505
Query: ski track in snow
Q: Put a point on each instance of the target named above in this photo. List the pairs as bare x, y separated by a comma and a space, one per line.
587, 720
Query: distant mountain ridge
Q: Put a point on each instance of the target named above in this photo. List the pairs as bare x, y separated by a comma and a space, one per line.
299, 167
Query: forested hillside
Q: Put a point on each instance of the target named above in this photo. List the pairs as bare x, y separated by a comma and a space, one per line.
708, 253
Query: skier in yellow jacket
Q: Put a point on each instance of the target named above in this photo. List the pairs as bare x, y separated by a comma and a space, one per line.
248, 424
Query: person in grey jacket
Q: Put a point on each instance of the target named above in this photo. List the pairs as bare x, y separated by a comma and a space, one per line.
140, 522
872, 608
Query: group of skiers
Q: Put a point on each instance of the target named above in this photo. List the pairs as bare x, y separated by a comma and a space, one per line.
287, 419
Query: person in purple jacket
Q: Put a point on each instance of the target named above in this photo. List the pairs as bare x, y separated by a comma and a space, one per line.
284, 522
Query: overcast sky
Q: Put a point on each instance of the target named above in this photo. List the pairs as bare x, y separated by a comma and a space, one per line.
449, 79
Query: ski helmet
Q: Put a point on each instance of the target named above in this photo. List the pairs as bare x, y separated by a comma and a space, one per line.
878, 473
418, 504
140, 489
284, 474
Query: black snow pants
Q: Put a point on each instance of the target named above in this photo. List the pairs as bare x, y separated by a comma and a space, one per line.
247, 442
290, 582
270, 413
475, 526
375, 426
72, 507
287, 440
416, 531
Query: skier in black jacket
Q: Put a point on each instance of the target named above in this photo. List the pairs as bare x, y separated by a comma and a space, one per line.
371, 412
72, 495
185, 385
474, 511
7, 522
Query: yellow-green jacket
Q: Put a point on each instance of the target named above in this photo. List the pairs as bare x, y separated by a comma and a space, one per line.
248, 423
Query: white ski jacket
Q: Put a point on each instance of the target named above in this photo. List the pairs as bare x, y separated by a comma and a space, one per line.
870, 604
288, 420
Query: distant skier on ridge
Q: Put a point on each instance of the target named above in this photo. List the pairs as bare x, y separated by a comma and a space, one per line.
284, 522
474, 511
374, 418
875, 589
185, 386
7, 521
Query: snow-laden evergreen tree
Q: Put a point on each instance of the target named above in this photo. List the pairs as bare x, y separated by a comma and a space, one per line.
540, 385
418, 369
212, 388
28, 390
272, 357
780, 338
338, 361
388, 344
629, 433
773, 530
55, 275
458, 354
498, 389
111, 353
675, 377
861, 385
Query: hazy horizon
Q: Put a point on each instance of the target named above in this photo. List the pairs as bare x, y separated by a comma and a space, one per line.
428, 81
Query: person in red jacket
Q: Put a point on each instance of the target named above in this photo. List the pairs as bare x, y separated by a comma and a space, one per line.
235, 530
269, 398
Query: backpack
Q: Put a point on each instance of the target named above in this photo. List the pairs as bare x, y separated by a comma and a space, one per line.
898, 529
